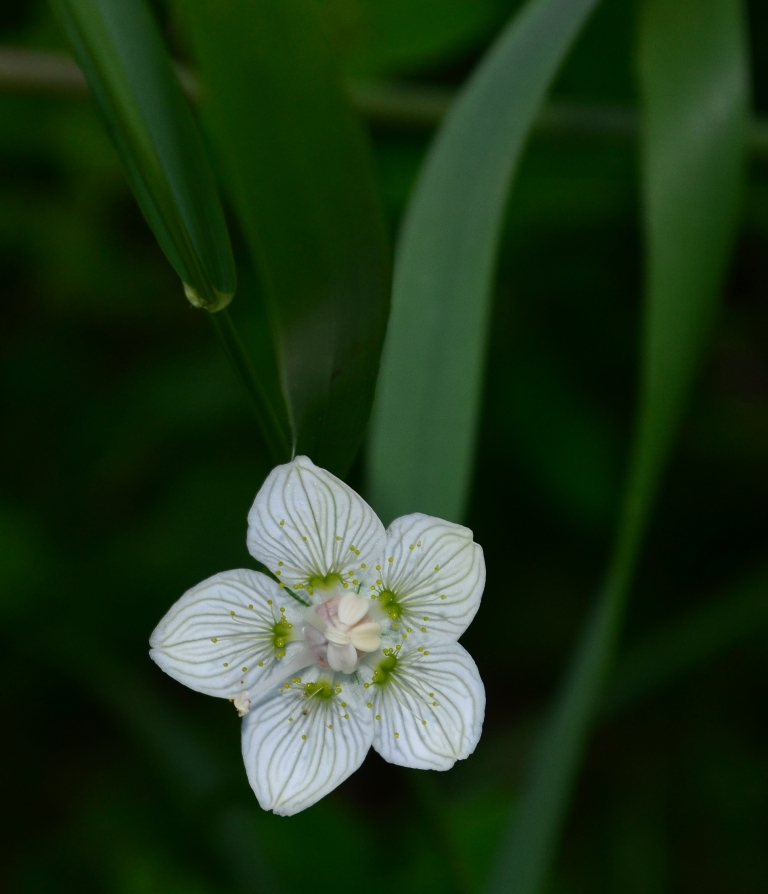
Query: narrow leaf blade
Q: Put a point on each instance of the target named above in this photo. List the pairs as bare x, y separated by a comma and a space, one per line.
695, 109
695, 88
301, 180
427, 404
120, 49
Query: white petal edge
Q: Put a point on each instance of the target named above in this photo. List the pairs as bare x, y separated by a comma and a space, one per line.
446, 674
213, 638
289, 773
436, 570
306, 522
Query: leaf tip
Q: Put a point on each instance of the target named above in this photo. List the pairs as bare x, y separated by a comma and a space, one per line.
212, 302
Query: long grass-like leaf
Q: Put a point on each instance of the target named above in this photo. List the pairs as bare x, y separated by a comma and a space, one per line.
119, 47
428, 398
693, 81
300, 178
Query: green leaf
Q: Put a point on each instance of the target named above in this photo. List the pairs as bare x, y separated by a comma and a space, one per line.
693, 75
388, 36
119, 47
300, 178
694, 88
427, 406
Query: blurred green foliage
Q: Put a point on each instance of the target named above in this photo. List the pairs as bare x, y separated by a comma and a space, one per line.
130, 460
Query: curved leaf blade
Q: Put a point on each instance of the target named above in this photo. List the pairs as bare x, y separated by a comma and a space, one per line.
693, 149
119, 47
300, 177
694, 85
427, 403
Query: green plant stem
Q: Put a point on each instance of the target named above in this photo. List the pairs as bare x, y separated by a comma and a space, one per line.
268, 420
383, 103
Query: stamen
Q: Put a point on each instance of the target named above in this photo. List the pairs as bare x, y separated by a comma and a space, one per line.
340, 631
242, 703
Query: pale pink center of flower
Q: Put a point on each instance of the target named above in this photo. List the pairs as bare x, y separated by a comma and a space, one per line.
342, 632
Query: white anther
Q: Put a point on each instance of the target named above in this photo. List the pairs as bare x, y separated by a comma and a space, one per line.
242, 703
352, 608
337, 635
366, 637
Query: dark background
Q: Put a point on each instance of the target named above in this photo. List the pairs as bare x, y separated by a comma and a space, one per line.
129, 459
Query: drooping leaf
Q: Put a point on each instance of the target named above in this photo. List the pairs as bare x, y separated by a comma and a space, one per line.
118, 45
694, 87
427, 404
300, 178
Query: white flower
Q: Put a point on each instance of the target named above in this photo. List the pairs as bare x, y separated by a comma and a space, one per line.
355, 646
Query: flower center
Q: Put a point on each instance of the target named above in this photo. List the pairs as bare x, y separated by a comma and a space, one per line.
385, 669
321, 689
316, 582
281, 635
388, 601
340, 631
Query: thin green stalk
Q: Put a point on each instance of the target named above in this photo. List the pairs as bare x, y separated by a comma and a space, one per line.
268, 420
391, 104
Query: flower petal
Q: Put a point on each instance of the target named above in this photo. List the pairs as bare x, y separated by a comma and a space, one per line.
221, 637
429, 709
299, 745
342, 657
435, 570
306, 524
